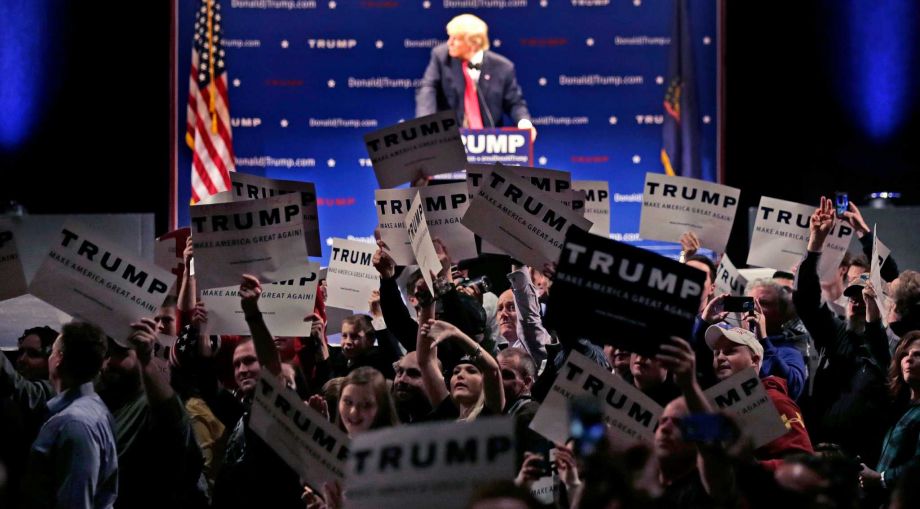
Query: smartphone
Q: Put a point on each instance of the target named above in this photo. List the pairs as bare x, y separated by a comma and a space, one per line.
706, 428
586, 425
738, 304
843, 203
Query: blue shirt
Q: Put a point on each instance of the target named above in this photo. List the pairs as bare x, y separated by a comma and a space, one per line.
74, 462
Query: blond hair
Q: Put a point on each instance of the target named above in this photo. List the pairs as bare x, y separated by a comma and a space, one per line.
474, 30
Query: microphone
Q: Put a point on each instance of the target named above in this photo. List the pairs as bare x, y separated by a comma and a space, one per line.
482, 102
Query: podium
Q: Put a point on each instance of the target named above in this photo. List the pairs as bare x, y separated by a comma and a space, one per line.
508, 145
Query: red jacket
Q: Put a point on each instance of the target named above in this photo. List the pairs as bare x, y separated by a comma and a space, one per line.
796, 439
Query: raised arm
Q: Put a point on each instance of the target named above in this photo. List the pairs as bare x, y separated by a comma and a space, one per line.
432, 378
266, 351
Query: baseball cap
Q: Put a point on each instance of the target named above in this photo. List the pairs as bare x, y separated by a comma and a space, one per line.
855, 288
735, 335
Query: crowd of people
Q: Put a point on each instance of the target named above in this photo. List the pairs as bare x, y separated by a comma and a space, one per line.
92, 421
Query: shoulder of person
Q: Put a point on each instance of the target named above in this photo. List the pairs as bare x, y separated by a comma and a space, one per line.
498, 59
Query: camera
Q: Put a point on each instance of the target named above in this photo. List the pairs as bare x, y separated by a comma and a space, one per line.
481, 283
738, 304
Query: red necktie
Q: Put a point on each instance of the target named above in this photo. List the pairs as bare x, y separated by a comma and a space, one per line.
470, 101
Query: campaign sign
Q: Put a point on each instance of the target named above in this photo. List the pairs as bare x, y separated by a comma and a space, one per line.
780, 238
410, 466
11, 274
444, 206
428, 145
552, 181
744, 395
615, 293
498, 146
420, 240
597, 204
631, 416
92, 279
284, 305
880, 253
672, 206
259, 237
252, 187
527, 223
351, 276
728, 279
311, 445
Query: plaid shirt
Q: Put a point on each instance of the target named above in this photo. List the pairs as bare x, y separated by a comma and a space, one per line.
901, 448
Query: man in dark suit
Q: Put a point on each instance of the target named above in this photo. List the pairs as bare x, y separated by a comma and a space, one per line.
478, 84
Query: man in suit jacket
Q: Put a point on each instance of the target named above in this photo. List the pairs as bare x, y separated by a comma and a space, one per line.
480, 85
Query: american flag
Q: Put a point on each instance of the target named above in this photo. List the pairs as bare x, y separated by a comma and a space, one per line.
208, 131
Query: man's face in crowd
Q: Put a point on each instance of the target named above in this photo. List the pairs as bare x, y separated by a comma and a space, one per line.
166, 320
856, 309
507, 316
407, 385
54, 362
354, 342
120, 369
729, 358
669, 441
647, 371
458, 46
769, 302
707, 283
31, 362
246, 368
621, 361
514, 381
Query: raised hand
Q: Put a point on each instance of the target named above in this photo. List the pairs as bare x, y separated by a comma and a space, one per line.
143, 338
821, 224
383, 262
250, 290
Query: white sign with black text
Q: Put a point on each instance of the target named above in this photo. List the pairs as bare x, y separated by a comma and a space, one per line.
880, 253
728, 279
444, 207
311, 445
411, 466
672, 206
351, 276
527, 223
284, 305
259, 237
11, 274
630, 415
422, 248
428, 146
597, 204
91, 278
744, 395
781, 233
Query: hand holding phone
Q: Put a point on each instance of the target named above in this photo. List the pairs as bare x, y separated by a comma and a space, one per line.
842, 202
738, 304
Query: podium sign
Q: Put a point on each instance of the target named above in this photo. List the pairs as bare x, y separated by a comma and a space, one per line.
508, 146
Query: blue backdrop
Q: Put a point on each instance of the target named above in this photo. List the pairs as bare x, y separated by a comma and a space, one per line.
309, 78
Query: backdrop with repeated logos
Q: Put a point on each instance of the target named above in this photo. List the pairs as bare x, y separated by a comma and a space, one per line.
309, 78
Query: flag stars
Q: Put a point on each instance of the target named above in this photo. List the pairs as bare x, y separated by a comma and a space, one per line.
542, 160
236, 82
542, 81
707, 40
613, 120
659, 80
544, 3
284, 122
378, 44
330, 163
330, 83
589, 41
637, 3
285, 43
201, 76
332, 4
497, 43
426, 4
636, 159
707, 119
